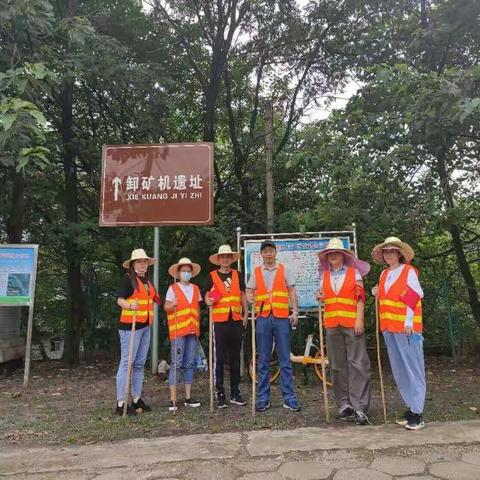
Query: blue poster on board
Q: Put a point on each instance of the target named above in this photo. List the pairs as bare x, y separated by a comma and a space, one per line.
300, 256
18, 265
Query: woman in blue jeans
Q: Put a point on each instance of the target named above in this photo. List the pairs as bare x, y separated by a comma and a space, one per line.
135, 296
183, 315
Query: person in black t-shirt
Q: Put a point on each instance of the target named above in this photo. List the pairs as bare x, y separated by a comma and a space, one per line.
224, 292
135, 296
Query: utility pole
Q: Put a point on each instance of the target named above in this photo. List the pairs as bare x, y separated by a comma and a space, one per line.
269, 163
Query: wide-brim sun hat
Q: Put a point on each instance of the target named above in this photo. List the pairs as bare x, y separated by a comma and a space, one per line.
392, 242
138, 254
349, 259
173, 270
224, 250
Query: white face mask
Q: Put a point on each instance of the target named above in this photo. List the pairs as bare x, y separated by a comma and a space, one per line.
185, 276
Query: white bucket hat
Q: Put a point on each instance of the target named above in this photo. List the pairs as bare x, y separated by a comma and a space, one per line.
336, 245
138, 254
224, 250
173, 269
392, 242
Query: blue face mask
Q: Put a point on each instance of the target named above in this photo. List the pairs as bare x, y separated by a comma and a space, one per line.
185, 276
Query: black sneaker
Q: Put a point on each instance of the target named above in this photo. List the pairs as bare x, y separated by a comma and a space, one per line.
415, 422
293, 407
346, 413
361, 418
190, 402
172, 406
238, 400
119, 410
140, 406
261, 407
221, 401
403, 420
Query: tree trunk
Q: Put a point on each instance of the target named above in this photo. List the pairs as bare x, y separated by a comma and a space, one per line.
457, 239
75, 319
211, 96
17, 207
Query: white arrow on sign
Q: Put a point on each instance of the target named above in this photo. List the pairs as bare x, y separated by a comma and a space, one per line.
116, 185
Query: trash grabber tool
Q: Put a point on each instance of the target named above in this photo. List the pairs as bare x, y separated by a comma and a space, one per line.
254, 361
210, 355
322, 353
175, 352
130, 359
379, 360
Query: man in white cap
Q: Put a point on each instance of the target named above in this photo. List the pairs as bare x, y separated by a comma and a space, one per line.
343, 295
224, 291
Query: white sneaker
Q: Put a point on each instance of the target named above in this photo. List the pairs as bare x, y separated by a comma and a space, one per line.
415, 422
403, 420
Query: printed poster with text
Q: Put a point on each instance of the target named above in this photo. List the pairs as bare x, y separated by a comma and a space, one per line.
17, 274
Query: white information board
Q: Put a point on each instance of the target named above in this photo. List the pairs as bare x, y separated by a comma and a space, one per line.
300, 256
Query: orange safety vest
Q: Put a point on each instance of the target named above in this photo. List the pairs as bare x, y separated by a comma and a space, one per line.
275, 300
393, 312
230, 301
145, 304
185, 318
341, 307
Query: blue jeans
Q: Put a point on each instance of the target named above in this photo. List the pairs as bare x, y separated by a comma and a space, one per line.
186, 353
140, 352
266, 329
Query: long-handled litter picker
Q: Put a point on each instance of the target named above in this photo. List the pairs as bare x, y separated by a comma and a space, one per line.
210, 355
379, 359
322, 353
130, 359
254, 361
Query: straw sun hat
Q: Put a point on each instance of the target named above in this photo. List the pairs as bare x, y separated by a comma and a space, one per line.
173, 270
336, 245
392, 242
224, 250
138, 254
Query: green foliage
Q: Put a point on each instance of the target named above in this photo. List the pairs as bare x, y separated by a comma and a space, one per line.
25, 83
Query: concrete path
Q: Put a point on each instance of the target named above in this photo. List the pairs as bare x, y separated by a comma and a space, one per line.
449, 451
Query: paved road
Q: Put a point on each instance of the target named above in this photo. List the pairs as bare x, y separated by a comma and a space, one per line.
449, 451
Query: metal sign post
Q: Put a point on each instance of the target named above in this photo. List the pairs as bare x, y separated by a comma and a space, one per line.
18, 272
156, 278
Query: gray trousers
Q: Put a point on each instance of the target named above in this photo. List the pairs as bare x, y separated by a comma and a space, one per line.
350, 368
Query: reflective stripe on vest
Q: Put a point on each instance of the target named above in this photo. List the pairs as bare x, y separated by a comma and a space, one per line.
185, 318
393, 312
341, 307
229, 301
145, 304
275, 301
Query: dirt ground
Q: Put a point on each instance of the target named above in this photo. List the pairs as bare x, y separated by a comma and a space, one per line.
75, 406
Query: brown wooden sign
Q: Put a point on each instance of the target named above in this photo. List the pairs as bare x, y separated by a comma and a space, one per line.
170, 184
